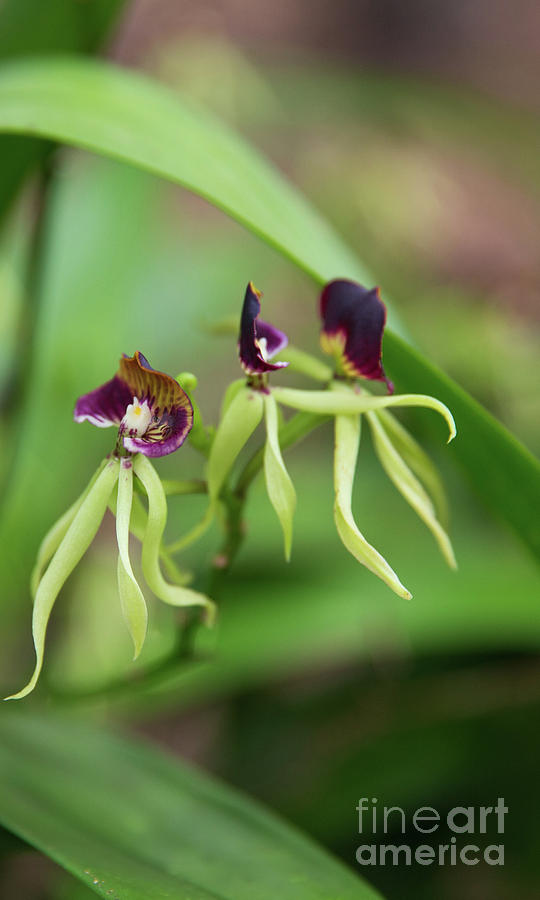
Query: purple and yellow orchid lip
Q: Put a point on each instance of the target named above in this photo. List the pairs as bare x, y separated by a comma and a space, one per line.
258, 341
353, 324
154, 415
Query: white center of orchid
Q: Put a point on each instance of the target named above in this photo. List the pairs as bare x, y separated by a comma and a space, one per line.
137, 418
263, 348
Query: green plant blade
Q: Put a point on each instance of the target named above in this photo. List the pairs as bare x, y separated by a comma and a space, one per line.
73, 546
30, 27
347, 440
278, 482
133, 823
132, 600
125, 116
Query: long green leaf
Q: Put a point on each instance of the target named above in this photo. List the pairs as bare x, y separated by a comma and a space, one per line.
125, 116
135, 824
29, 27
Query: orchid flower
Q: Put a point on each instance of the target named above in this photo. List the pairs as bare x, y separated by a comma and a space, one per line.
353, 320
153, 415
245, 404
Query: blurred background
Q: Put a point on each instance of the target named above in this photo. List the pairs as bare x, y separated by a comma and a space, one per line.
414, 128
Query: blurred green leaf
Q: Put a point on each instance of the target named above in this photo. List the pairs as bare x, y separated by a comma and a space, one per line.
129, 821
33, 27
123, 115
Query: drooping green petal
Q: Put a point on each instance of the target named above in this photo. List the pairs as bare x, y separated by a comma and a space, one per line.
347, 438
418, 461
236, 427
54, 536
137, 527
349, 401
73, 546
131, 597
231, 391
409, 486
278, 483
157, 518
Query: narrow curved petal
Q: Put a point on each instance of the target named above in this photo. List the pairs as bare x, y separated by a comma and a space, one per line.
258, 341
74, 545
347, 440
56, 534
353, 325
137, 526
132, 599
171, 407
106, 405
408, 485
157, 517
236, 427
418, 461
278, 482
348, 401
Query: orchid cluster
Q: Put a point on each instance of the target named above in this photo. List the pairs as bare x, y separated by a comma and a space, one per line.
154, 416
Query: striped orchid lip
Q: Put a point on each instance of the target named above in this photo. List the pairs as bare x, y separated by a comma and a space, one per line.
153, 414
258, 342
353, 324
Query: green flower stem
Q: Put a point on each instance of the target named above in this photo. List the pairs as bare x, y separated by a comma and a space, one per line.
73, 546
192, 486
176, 488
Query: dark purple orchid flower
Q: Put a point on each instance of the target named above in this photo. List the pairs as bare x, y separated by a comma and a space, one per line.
258, 341
353, 324
152, 411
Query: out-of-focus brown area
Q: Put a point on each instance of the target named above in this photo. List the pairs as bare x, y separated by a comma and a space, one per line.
491, 45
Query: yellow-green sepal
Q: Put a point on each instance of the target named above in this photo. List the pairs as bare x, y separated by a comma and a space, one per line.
409, 486
173, 594
278, 483
73, 546
347, 441
240, 419
132, 600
